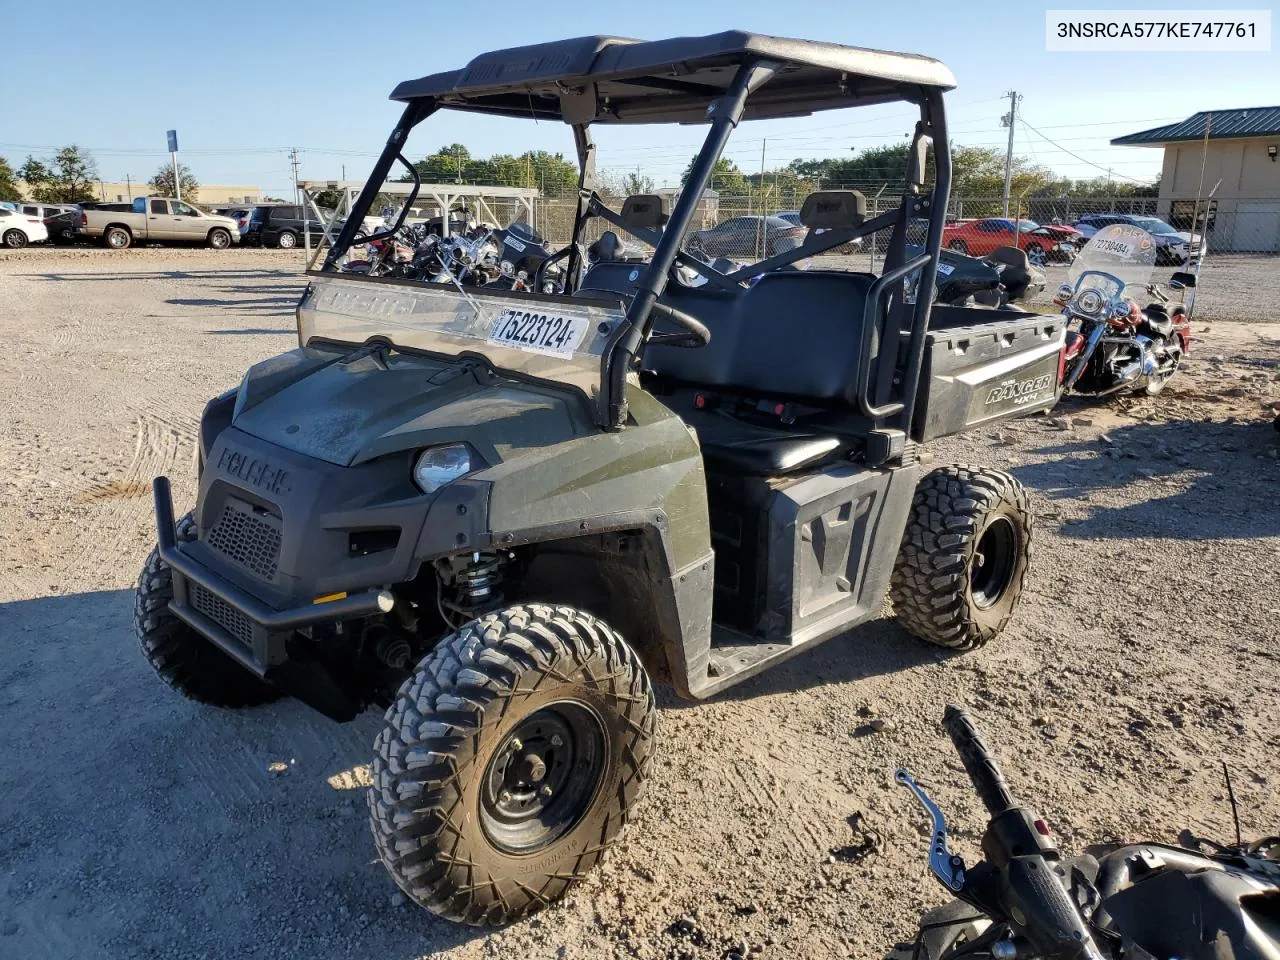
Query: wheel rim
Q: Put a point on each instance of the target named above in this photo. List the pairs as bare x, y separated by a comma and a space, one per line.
286, 240
958, 246
220, 240
994, 562
543, 777
14, 239
1035, 253
116, 239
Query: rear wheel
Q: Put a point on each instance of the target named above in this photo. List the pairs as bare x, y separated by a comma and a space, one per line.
185, 660
219, 239
286, 241
15, 239
964, 556
117, 238
509, 762
1173, 359
959, 246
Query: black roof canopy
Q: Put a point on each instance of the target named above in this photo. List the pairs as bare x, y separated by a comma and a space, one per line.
619, 80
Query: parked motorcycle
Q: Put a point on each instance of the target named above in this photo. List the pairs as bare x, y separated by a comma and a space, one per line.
1003, 277
522, 257
1145, 901
1113, 344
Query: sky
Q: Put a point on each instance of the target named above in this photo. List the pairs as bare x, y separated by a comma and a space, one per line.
244, 82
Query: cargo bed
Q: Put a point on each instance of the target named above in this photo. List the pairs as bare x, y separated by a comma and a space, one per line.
982, 366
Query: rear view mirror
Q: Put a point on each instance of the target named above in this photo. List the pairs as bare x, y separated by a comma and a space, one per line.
1182, 279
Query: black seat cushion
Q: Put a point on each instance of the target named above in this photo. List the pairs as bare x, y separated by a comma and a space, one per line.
794, 334
733, 446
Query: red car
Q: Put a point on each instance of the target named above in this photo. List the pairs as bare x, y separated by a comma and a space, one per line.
977, 238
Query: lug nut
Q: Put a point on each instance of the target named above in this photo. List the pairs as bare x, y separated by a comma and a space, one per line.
516, 745
505, 796
557, 740
545, 792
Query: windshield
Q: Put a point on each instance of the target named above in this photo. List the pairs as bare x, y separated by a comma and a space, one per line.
1026, 226
1117, 258
1152, 225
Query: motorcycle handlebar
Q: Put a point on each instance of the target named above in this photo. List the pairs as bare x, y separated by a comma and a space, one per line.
978, 761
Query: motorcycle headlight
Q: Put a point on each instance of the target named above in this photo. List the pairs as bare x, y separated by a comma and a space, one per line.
437, 466
507, 268
1090, 303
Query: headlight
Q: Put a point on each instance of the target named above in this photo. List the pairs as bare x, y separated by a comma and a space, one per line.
1089, 303
437, 466
507, 268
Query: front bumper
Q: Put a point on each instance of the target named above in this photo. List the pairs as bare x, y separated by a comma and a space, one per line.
248, 630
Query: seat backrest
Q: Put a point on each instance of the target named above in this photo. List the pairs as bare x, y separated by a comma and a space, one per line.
791, 334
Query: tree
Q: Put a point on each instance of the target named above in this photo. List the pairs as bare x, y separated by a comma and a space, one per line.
329, 199
8, 182
726, 178
64, 178
549, 172
162, 183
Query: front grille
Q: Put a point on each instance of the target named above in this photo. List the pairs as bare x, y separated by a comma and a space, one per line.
248, 538
223, 614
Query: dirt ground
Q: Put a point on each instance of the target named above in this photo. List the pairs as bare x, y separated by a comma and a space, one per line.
137, 824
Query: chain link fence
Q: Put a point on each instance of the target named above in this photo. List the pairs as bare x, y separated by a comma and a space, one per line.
1246, 225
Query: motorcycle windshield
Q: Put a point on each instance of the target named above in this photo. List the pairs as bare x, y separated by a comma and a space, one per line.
1117, 258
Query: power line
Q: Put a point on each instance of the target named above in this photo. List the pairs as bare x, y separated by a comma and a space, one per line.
1106, 170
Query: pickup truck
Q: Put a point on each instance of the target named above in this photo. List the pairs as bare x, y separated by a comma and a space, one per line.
158, 220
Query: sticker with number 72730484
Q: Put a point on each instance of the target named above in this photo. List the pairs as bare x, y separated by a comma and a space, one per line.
537, 332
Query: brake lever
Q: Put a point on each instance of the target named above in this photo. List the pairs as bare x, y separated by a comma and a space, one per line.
944, 864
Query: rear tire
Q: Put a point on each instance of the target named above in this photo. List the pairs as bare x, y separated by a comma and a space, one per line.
509, 762
15, 239
964, 556
219, 239
185, 660
286, 241
117, 238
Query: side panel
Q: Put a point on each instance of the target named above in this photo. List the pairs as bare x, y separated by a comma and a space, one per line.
833, 540
976, 373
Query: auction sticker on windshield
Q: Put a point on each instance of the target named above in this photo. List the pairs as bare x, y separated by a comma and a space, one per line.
537, 332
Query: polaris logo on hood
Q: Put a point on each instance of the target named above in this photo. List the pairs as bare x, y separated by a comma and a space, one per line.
1019, 391
251, 470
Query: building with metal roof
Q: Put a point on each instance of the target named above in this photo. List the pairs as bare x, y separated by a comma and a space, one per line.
1230, 160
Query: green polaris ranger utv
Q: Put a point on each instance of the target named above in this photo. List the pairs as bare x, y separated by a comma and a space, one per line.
497, 514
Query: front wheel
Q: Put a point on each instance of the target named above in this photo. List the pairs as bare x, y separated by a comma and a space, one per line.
960, 247
964, 556
509, 762
219, 239
286, 241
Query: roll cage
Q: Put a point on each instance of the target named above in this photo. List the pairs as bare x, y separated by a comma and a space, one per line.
720, 80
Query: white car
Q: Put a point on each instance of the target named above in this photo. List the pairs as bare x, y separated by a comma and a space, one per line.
19, 229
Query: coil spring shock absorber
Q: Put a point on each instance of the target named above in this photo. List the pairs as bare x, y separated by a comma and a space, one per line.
477, 584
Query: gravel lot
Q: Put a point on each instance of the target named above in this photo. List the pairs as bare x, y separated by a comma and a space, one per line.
141, 825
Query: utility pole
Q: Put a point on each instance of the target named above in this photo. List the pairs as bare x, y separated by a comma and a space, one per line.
293, 161
760, 245
128, 185
1008, 120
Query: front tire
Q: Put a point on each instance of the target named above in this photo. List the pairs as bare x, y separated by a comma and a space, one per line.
185, 660
964, 556
286, 241
15, 239
219, 239
509, 762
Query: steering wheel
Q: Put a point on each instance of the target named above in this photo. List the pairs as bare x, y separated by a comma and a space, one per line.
695, 335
